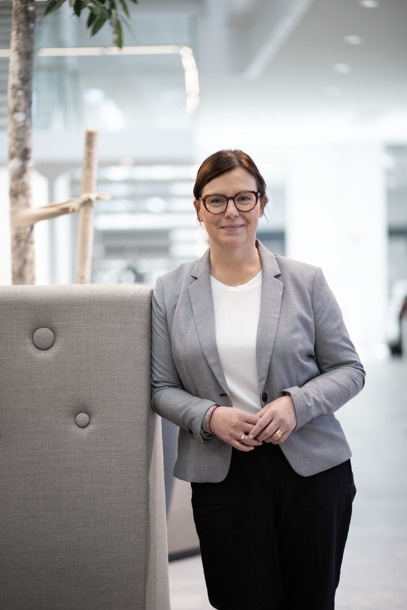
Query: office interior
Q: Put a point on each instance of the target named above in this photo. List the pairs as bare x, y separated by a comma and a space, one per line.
314, 90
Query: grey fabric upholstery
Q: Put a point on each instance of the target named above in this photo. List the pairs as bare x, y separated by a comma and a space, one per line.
82, 510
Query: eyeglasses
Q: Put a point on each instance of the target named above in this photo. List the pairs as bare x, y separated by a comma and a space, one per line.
243, 201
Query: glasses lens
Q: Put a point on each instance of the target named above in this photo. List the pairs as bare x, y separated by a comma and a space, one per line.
215, 203
245, 200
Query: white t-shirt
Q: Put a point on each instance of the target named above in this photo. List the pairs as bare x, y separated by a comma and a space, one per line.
237, 310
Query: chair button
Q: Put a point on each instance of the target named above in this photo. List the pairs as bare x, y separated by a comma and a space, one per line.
43, 338
82, 420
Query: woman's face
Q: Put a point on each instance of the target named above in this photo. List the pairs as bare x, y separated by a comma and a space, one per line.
231, 228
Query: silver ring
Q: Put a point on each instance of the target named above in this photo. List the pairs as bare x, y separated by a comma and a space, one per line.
241, 439
278, 433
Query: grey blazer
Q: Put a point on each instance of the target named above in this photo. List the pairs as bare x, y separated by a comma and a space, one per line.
303, 349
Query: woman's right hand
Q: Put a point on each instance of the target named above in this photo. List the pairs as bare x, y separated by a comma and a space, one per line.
232, 426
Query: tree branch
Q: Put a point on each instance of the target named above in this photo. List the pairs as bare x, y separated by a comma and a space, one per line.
26, 217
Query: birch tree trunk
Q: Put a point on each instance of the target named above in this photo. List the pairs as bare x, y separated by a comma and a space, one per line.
20, 136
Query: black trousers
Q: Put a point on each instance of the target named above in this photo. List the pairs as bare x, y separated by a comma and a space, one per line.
271, 539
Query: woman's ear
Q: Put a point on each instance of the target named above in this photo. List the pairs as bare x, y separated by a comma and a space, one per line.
263, 202
197, 206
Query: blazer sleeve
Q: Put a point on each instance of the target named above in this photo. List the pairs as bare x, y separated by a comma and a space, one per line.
342, 374
169, 398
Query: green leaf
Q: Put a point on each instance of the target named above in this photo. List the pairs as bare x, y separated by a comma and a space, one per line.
125, 8
118, 35
99, 23
53, 5
77, 7
97, 7
90, 20
100, 12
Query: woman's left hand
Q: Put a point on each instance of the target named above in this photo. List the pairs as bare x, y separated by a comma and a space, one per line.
277, 421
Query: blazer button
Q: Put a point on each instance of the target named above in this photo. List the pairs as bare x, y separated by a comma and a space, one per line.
264, 397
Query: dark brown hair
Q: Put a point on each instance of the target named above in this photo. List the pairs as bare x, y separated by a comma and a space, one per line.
224, 161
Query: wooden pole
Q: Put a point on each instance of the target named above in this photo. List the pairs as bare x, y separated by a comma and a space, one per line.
85, 221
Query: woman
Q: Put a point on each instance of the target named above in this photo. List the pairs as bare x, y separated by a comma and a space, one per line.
250, 359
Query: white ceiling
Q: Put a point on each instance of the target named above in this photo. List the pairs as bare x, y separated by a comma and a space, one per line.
288, 61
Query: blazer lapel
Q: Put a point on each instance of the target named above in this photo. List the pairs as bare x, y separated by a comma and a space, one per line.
271, 295
200, 292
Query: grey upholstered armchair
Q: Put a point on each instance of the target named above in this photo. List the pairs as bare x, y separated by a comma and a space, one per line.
82, 512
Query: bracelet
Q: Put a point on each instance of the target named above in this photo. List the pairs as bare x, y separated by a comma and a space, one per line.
212, 411
207, 419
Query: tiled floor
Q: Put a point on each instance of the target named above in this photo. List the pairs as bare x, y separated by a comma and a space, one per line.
374, 572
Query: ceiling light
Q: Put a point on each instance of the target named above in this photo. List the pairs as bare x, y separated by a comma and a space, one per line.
353, 39
342, 68
369, 3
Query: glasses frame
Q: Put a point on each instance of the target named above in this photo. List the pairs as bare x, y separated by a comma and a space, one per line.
204, 199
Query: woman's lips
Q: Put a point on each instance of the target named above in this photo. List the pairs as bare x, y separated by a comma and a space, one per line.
231, 227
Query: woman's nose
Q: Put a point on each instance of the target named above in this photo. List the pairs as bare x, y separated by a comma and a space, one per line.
231, 209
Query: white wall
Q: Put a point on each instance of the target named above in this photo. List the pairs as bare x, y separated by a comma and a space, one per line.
336, 218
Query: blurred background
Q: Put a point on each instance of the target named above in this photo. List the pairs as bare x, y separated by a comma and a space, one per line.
314, 90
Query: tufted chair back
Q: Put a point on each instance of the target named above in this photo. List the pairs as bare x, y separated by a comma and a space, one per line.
82, 512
